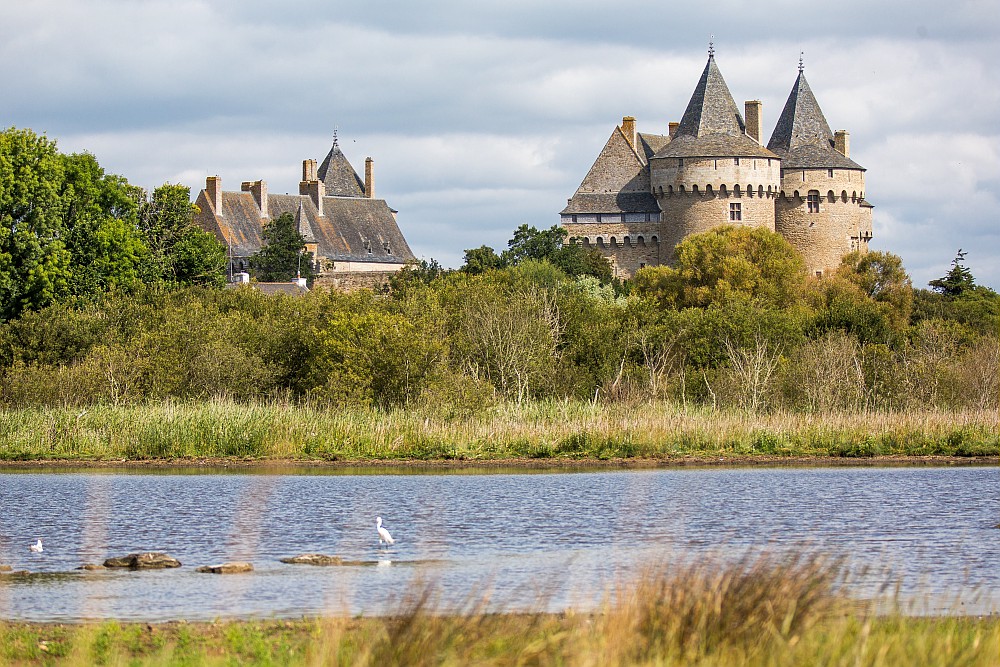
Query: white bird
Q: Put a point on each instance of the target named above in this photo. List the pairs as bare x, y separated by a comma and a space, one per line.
383, 534
37, 547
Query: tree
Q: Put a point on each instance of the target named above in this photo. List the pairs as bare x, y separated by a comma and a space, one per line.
284, 256
549, 245
881, 276
480, 260
34, 261
727, 264
181, 253
957, 281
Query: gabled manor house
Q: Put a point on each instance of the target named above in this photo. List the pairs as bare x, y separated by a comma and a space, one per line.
646, 192
353, 237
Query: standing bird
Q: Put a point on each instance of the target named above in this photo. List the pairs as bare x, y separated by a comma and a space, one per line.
37, 547
383, 534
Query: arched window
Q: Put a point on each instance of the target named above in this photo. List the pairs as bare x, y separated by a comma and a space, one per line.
830, 197
655, 240
694, 188
627, 241
738, 191
600, 241
723, 191
614, 242
708, 190
760, 191
843, 195
641, 241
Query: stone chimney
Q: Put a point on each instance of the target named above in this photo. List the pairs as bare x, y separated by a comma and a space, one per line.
309, 170
213, 189
369, 178
259, 191
313, 187
842, 142
673, 128
628, 129
755, 119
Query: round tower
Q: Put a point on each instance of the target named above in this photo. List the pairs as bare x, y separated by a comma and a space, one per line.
821, 208
714, 171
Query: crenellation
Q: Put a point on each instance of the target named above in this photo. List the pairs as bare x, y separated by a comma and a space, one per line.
712, 170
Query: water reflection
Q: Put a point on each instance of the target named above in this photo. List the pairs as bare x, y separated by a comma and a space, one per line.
554, 539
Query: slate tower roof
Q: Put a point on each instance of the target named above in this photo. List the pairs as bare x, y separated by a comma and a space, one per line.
712, 125
338, 176
802, 136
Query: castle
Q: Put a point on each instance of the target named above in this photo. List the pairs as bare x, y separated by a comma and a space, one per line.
646, 192
353, 237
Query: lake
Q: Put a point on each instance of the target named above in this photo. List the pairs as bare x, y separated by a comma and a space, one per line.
532, 540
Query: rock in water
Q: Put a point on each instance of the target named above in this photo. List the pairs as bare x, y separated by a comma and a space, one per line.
90, 566
147, 560
314, 559
226, 568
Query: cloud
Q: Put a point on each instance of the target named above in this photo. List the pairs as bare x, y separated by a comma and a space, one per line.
483, 116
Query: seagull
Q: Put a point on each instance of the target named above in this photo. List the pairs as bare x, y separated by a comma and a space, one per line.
383, 534
37, 547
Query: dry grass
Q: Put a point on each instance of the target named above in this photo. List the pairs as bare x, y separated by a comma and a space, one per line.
541, 430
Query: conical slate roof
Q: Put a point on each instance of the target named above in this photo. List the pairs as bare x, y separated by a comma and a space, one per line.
339, 176
802, 136
712, 125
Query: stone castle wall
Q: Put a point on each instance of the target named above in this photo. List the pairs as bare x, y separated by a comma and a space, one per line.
841, 225
696, 212
629, 246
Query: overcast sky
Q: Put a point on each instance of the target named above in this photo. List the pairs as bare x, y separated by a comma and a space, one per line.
484, 115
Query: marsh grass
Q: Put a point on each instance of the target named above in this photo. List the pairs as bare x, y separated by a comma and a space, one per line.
540, 430
757, 612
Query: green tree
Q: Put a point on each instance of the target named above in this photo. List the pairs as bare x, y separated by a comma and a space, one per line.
957, 281
480, 260
34, 260
881, 277
550, 245
284, 256
181, 253
727, 264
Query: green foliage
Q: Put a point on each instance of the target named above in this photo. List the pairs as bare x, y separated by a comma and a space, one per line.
881, 277
957, 281
34, 261
283, 257
548, 245
481, 259
724, 265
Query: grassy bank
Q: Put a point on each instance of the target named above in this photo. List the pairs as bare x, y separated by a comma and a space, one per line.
541, 430
759, 613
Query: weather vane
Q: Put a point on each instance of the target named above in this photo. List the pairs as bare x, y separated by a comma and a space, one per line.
334, 135
802, 67
711, 46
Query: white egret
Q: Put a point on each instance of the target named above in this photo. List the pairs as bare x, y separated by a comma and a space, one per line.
37, 547
383, 534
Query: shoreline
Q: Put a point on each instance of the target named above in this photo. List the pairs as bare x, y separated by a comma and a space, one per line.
520, 463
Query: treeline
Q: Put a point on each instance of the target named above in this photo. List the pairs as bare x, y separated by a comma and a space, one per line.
68, 230
736, 324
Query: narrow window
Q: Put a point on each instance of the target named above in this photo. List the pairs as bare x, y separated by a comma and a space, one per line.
735, 212
736, 161
598, 217
829, 172
574, 218
812, 200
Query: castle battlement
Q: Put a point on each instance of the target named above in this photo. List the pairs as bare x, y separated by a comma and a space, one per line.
646, 192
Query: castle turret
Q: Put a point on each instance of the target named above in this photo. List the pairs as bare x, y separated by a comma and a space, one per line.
712, 172
821, 209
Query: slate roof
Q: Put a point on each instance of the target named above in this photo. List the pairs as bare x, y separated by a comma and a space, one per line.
339, 176
649, 144
618, 181
712, 125
611, 202
349, 227
802, 137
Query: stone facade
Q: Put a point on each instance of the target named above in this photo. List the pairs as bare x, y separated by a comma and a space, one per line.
646, 193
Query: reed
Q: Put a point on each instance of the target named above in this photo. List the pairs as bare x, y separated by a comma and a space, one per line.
544, 430
758, 612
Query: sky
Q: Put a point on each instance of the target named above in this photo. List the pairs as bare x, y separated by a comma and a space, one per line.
481, 116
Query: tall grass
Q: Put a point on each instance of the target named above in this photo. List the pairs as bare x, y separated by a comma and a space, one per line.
542, 430
760, 612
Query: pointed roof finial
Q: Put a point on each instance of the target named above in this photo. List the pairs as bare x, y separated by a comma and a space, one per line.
802, 67
334, 135
711, 46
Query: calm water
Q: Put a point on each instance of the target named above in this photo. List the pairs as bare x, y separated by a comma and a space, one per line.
550, 540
